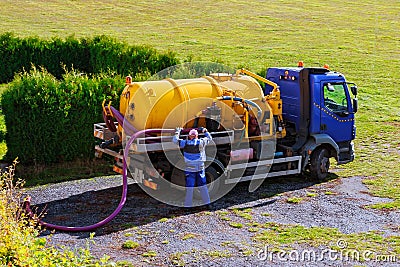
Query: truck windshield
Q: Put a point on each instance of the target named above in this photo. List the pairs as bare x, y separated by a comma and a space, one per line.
335, 98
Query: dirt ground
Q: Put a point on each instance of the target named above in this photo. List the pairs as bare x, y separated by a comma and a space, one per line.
171, 236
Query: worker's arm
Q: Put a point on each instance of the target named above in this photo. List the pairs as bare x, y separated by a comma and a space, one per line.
176, 138
207, 137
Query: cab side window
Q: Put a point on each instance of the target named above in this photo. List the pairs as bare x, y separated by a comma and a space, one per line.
335, 98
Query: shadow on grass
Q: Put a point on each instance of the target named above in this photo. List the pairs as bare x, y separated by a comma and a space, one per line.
92, 206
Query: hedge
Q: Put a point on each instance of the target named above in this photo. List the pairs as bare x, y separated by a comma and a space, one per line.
49, 115
50, 120
89, 55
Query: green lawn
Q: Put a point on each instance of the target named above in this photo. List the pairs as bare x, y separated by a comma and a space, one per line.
360, 39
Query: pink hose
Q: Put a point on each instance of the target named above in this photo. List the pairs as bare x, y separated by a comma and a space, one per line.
27, 203
128, 128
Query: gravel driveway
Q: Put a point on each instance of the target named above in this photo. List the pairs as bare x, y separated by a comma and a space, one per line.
170, 236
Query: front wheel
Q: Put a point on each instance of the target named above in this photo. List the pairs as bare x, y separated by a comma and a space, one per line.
319, 164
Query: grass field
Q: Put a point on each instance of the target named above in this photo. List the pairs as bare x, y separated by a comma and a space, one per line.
360, 39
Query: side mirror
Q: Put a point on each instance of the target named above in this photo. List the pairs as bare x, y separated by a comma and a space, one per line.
331, 88
353, 89
355, 104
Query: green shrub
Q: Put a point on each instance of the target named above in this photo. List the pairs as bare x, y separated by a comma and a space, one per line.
19, 241
89, 55
49, 115
49, 120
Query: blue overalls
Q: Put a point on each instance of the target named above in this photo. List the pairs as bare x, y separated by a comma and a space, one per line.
195, 156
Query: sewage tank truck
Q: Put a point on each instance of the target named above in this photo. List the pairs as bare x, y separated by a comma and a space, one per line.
293, 123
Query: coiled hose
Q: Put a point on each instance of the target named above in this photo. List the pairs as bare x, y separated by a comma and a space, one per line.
27, 204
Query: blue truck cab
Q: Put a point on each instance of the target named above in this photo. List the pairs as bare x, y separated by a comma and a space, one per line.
318, 114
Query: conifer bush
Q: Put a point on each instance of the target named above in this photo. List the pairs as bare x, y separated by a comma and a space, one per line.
50, 120
89, 55
49, 111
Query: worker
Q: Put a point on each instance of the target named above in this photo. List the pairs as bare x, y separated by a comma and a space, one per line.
195, 156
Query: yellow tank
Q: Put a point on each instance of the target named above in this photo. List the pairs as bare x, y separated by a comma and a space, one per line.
147, 105
172, 103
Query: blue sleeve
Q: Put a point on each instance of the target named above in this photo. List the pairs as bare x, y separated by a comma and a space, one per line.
178, 141
207, 138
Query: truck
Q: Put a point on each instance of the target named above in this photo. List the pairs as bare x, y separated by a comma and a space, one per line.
291, 121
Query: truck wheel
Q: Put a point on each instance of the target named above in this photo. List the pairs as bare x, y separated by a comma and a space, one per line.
319, 164
213, 182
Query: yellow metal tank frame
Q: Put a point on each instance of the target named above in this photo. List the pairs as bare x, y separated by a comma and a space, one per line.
172, 103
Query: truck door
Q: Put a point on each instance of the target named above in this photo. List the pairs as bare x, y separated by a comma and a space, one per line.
337, 118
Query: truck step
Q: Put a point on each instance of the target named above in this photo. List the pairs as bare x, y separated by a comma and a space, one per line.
263, 163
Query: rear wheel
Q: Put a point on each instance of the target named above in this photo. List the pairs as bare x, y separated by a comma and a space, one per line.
319, 164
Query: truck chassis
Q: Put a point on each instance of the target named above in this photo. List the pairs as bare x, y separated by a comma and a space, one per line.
153, 151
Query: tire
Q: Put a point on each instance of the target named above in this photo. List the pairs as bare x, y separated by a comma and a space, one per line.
213, 183
319, 164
